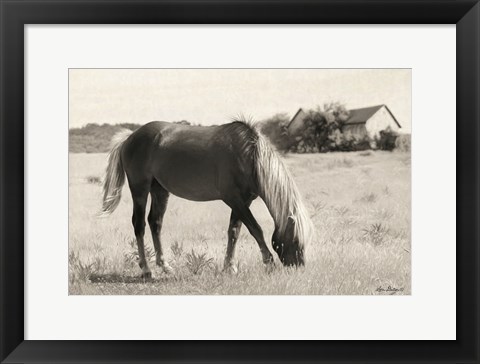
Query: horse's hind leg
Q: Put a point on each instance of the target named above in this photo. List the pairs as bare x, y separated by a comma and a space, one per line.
155, 219
139, 196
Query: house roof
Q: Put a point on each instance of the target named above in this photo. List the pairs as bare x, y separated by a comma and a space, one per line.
298, 112
294, 117
362, 115
358, 116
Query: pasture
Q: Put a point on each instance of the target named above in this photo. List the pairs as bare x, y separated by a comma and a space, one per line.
359, 203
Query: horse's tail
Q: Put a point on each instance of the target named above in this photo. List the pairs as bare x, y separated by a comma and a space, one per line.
279, 192
115, 175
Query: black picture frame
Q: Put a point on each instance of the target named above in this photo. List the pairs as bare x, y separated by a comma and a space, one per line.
15, 14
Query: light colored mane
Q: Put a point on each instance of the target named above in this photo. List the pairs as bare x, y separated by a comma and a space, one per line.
280, 193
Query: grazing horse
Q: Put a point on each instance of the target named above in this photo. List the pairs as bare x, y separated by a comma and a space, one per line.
231, 162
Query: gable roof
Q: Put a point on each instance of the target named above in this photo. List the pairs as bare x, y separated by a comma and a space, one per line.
362, 115
294, 117
298, 112
358, 116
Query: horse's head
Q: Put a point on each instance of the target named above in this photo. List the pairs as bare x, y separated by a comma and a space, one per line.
287, 245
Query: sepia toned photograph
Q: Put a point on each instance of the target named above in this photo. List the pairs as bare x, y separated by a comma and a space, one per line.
239, 181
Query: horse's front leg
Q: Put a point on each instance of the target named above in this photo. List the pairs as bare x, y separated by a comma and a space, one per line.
233, 233
245, 215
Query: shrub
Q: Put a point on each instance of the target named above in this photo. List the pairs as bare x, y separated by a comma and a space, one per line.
403, 143
361, 143
177, 249
132, 257
81, 271
375, 234
347, 142
197, 262
94, 180
386, 139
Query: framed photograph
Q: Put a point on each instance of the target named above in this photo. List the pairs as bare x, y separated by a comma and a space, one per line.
239, 181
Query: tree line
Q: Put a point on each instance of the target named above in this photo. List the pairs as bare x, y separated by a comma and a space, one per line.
322, 131
96, 138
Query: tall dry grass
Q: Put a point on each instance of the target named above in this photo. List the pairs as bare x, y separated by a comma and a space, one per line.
360, 205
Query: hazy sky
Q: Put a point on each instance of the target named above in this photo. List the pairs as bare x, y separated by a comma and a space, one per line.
214, 96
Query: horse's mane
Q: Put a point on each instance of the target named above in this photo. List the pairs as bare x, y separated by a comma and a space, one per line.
276, 186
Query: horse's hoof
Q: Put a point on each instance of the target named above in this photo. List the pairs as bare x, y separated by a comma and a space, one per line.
231, 269
146, 275
167, 269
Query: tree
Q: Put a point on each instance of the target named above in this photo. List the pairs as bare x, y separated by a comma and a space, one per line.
183, 122
275, 129
323, 129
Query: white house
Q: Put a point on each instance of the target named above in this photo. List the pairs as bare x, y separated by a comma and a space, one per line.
365, 121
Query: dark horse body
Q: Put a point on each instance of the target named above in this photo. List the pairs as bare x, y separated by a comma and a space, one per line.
230, 162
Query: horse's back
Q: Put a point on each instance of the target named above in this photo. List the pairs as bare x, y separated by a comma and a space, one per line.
194, 162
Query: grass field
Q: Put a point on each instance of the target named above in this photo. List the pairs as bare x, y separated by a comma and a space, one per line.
359, 203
